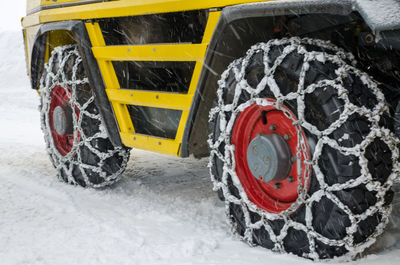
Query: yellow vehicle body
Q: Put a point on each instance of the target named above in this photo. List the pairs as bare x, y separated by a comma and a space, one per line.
120, 8
105, 55
161, 52
42, 12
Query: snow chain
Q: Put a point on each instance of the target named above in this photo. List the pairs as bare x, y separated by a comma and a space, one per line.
74, 158
341, 59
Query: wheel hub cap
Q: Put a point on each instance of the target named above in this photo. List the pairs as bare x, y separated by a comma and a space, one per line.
62, 120
268, 157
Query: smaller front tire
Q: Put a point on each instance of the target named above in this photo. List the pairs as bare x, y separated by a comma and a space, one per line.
74, 132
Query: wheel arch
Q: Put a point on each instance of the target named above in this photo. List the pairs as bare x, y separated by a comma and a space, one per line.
74, 32
263, 13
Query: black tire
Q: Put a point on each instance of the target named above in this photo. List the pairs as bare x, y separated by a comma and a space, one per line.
90, 160
354, 157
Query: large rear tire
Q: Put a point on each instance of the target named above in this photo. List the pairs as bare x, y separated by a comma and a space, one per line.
74, 132
332, 197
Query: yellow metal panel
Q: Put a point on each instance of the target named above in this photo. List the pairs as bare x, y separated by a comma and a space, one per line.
110, 79
151, 99
53, 2
160, 52
95, 34
213, 18
195, 77
155, 144
181, 128
127, 8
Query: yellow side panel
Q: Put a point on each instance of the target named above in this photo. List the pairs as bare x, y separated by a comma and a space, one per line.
150, 99
52, 2
120, 98
126, 8
154, 144
110, 80
158, 52
32, 4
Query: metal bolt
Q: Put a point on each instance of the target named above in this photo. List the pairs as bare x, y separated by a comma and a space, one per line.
154, 49
134, 138
277, 186
156, 96
290, 179
254, 149
129, 50
287, 137
293, 159
131, 95
159, 143
369, 38
272, 127
256, 168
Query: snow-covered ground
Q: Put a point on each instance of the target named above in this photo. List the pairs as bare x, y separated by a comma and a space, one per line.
162, 212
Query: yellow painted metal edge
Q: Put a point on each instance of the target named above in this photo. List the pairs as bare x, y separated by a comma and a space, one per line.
213, 18
57, 2
154, 144
159, 52
150, 99
110, 79
125, 8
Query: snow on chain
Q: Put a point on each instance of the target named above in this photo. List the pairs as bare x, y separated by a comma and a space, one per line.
339, 58
74, 157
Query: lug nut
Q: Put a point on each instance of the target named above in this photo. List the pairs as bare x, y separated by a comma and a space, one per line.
369, 38
287, 137
256, 168
272, 127
290, 179
254, 149
293, 159
277, 186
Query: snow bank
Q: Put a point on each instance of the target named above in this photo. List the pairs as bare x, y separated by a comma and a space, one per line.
12, 64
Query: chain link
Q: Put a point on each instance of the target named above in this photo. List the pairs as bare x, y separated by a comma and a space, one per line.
58, 60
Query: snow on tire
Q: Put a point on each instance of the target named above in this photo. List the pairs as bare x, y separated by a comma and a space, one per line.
304, 96
75, 136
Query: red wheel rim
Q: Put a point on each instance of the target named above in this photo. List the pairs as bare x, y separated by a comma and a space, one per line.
250, 124
59, 98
